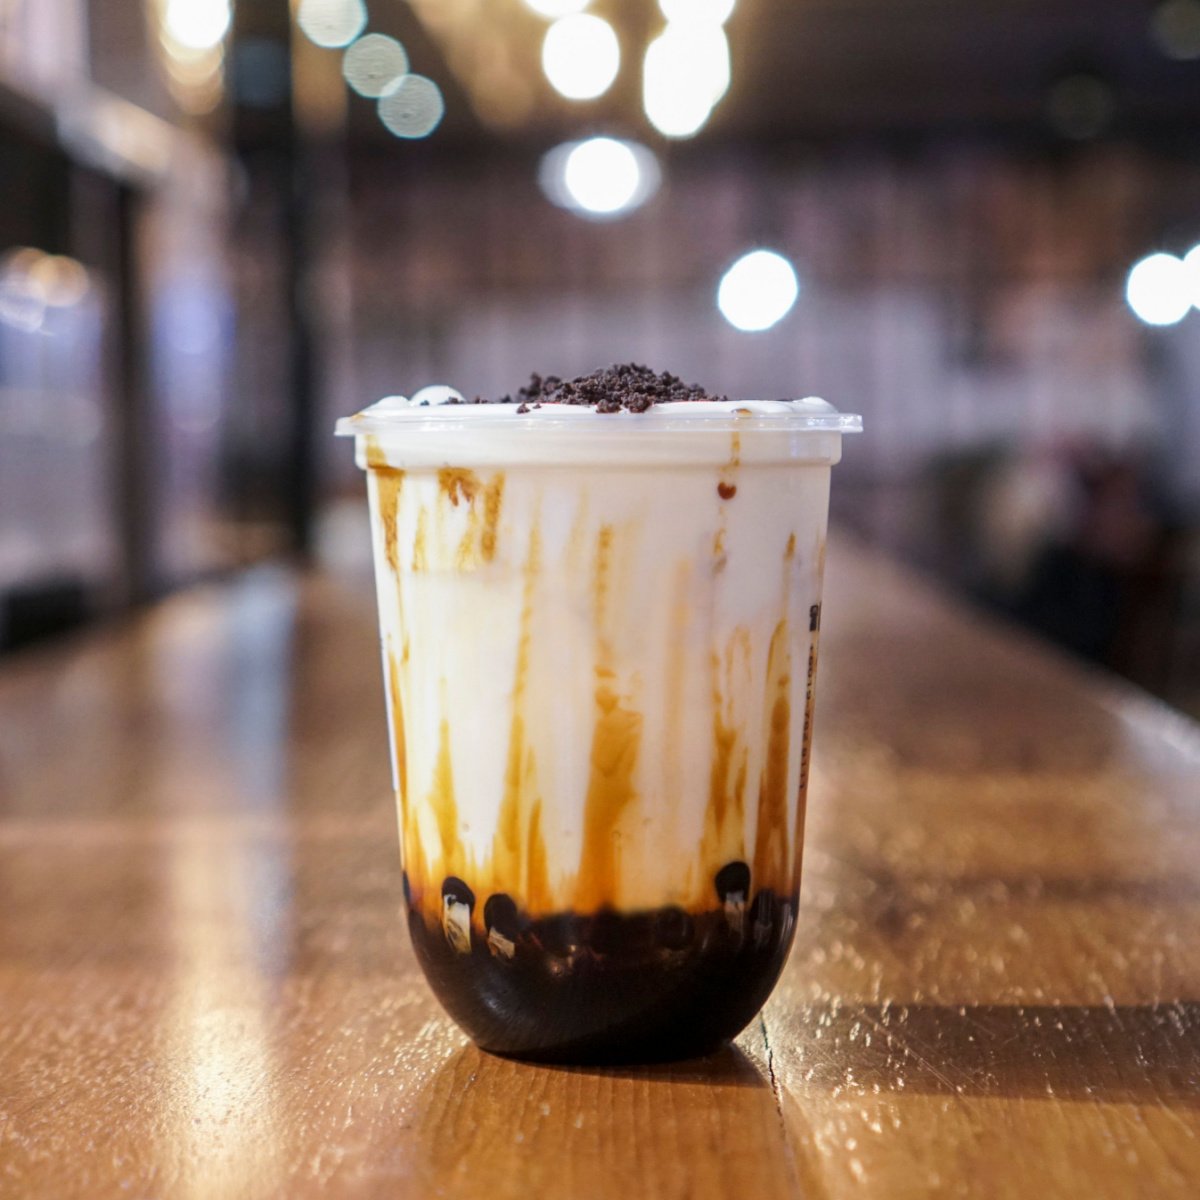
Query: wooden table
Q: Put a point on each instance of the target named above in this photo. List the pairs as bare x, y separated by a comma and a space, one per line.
206, 989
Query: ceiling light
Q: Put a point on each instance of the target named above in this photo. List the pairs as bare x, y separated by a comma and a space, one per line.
413, 107
1158, 290
373, 64
600, 178
758, 291
330, 23
602, 175
196, 24
581, 56
685, 74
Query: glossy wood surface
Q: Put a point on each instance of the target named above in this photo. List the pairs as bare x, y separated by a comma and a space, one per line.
206, 989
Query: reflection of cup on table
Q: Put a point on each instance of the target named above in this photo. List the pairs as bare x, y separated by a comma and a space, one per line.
599, 639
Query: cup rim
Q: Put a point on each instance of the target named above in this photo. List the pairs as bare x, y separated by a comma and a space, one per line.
398, 415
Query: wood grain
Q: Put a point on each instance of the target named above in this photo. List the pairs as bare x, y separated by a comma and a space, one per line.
206, 990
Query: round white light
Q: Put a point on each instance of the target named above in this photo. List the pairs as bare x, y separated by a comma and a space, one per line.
556, 8
602, 175
373, 64
196, 24
1158, 289
757, 291
711, 12
413, 107
707, 47
331, 23
685, 74
600, 178
581, 56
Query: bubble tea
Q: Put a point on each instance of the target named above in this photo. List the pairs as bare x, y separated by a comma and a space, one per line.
600, 606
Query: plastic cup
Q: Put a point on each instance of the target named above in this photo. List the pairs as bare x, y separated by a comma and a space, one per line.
599, 645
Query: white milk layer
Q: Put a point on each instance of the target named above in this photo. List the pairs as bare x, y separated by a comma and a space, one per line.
599, 675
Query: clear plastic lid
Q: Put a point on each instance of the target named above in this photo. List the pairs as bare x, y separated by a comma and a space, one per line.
403, 433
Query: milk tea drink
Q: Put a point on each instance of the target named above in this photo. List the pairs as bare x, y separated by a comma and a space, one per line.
600, 630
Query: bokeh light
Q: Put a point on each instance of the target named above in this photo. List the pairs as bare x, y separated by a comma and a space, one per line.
581, 56
1158, 289
195, 77
195, 25
758, 291
32, 282
1175, 27
685, 74
192, 33
556, 8
62, 281
373, 64
708, 49
712, 12
413, 107
330, 23
600, 178
602, 175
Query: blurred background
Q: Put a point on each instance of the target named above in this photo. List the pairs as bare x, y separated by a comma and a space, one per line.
226, 222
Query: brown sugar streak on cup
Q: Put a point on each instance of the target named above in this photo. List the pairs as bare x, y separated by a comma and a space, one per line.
445, 808
478, 544
493, 497
720, 558
412, 854
771, 839
810, 692
388, 483
537, 895
726, 488
398, 734
602, 578
375, 456
724, 819
673, 732
420, 556
411, 850
458, 484
771, 865
521, 801
616, 743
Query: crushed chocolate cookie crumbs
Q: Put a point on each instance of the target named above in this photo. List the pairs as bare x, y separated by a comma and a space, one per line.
628, 386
